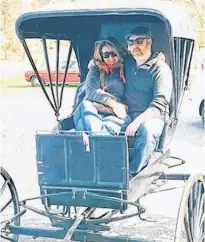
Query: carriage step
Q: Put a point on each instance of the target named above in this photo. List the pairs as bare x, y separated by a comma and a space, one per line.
175, 176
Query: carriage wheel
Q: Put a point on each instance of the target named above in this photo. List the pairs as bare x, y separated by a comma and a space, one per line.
190, 225
9, 205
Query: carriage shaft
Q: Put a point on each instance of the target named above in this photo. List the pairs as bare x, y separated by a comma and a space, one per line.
76, 223
79, 235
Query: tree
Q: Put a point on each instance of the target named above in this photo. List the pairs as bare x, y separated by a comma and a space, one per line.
9, 12
196, 10
11, 9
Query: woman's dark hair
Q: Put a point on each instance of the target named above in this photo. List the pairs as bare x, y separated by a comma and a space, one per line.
110, 41
121, 49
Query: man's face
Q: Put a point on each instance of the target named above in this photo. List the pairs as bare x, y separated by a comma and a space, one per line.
139, 46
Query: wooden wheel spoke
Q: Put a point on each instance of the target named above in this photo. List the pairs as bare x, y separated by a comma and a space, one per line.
10, 200
191, 215
4, 186
202, 237
199, 196
6, 205
201, 220
200, 229
191, 212
196, 200
188, 227
188, 232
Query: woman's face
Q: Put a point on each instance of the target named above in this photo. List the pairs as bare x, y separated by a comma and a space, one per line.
110, 56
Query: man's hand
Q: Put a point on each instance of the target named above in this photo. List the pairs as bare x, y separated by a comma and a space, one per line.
132, 128
143, 117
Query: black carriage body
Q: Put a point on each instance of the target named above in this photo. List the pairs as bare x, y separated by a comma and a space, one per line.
81, 26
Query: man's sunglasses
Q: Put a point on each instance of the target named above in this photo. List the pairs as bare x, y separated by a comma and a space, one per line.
108, 54
137, 41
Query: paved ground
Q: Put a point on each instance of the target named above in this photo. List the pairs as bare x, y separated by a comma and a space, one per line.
23, 111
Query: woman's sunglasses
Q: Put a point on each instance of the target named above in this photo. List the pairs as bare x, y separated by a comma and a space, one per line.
108, 54
137, 41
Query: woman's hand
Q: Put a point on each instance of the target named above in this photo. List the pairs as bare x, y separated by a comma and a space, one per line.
120, 110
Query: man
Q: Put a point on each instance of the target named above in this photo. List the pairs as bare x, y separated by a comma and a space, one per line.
147, 95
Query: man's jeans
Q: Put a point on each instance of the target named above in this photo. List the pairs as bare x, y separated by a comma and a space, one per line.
87, 118
146, 140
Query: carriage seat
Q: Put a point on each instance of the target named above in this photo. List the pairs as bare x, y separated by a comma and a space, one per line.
68, 124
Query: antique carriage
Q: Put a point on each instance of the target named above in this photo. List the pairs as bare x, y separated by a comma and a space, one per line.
73, 168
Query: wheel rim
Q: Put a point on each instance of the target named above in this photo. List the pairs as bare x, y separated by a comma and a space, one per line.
9, 205
191, 217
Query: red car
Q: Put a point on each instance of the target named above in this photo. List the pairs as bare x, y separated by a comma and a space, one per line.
71, 78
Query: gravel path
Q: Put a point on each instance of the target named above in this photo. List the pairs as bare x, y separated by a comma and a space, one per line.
23, 111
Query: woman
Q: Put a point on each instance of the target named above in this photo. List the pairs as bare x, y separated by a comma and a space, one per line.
105, 80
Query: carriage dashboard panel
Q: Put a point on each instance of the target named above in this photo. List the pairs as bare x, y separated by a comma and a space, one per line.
69, 160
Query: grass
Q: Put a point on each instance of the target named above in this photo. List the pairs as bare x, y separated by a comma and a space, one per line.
18, 81
13, 81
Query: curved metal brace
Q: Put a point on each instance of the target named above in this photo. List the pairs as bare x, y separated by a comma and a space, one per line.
140, 208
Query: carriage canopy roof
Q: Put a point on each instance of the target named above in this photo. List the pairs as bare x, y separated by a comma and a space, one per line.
165, 10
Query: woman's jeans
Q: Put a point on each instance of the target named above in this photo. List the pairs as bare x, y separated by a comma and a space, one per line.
87, 118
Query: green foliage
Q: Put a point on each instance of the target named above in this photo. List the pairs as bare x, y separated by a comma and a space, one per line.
14, 81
